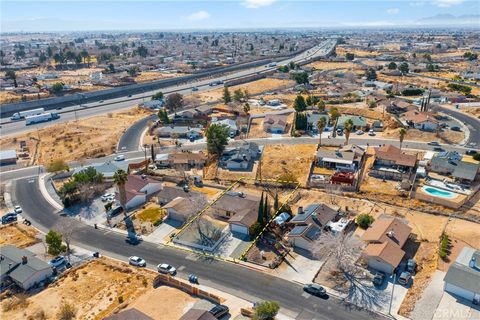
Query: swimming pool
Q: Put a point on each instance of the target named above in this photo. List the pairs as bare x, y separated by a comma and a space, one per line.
439, 192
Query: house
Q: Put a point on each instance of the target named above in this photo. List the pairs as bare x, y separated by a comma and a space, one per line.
240, 209
169, 193
181, 209
385, 239
107, 168
392, 163
359, 123
312, 120
336, 160
275, 123
241, 157
421, 120
461, 167
377, 126
21, 267
138, 189
129, 314
309, 223
229, 123
187, 160
463, 276
197, 314
8, 157
182, 132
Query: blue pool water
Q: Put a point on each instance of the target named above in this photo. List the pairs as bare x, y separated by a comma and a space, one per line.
439, 192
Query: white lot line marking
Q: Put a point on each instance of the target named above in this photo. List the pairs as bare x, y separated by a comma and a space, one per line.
181, 268
306, 295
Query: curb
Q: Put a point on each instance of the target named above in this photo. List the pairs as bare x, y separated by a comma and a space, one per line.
43, 189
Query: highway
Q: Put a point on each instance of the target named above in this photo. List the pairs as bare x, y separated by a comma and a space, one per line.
240, 281
79, 111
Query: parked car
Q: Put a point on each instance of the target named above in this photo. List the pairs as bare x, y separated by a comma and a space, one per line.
107, 196
133, 240
18, 209
378, 279
456, 129
438, 149
219, 311
137, 261
340, 132
119, 157
129, 95
471, 152
371, 132
315, 289
404, 278
433, 143
167, 269
359, 132
57, 261
411, 266
114, 212
9, 218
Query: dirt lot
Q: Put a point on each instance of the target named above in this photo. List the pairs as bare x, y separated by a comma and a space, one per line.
18, 235
89, 138
278, 160
94, 289
447, 136
253, 87
329, 65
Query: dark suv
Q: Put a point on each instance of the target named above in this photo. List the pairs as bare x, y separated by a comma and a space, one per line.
219, 311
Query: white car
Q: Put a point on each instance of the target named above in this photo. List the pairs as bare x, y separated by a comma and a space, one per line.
107, 197
359, 132
119, 157
137, 261
371, 132
57, 261
166, 268
17, 209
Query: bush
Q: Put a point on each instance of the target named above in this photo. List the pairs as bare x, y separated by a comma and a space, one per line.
120, 299
266, 310
67, 312
157, 222
255, 229
412, 92
365, 220
444, 244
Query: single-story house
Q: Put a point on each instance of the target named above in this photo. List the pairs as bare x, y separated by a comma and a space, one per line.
312, 120
138, 189
169, 193
302, 236
461, 167
21, 267
187, 160
377, 126
181, 209
275, 123
241, 210
8, 157
154, 104
229, 123
463, 276
337, 160
421, 120
392, 163
359, 122
385, 239
183, 132
107, 168
241, 157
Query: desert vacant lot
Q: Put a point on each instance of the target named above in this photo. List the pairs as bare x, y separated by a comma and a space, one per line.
278, 160
88, 138
18, 235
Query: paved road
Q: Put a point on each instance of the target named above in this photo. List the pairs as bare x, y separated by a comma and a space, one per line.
472, 124
228, 277
73, 112
130, 140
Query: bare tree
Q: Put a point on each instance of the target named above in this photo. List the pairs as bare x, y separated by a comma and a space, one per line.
66, 227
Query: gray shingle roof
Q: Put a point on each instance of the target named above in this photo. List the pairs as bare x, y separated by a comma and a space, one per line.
11, 263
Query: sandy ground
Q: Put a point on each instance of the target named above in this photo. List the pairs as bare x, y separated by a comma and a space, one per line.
18, 235
447, 136
94, 289
281, 159
88, 138
253, 87
328, 65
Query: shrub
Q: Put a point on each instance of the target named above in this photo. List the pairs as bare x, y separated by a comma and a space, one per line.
157, 222
266, 310
365, 220
444, 244
120, 299
66, 312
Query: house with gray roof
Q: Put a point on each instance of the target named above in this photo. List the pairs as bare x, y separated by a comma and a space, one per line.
240, 158
312, 120
359, 122
107, 168
8, 157
463, 276
21, 267
179, 131
461, 167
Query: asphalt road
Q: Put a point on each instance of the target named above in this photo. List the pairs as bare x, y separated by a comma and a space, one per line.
130, 140
472, 124
72, 112
240, 281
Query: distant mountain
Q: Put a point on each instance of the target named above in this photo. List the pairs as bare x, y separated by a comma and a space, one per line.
450, 19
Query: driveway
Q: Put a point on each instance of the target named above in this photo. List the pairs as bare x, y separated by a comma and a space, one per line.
299, 267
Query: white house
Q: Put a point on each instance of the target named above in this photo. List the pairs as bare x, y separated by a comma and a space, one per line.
421, 120
463, 276
138, 189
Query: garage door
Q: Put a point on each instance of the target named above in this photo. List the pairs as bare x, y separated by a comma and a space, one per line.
238, 228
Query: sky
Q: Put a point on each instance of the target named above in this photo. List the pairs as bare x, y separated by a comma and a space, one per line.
89, 15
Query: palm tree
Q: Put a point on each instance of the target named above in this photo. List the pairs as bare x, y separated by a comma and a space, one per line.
402, 134
321, 123
347, 128
120, 178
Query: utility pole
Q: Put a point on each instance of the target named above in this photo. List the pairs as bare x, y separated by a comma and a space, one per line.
146, 162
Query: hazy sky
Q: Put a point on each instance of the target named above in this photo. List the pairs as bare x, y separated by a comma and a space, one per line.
69, 15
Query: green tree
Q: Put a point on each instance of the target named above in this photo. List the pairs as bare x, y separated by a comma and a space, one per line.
403, 67
371, 74
57, 166
54, 243
238, 95
347, 128
142, 51
401, 136
11, 74
246, 108
260, 211
266, 211
321, 105
57, 87
364, 220
276, 205
291, 65
321, 123
299, 104
301, 77
133, 71
217, 138
163, 116
349, 56
174, 102
392, 66
266, 310
120, 178
158, 96
227, 98
334, 114
466, 90
42, 58
476, 156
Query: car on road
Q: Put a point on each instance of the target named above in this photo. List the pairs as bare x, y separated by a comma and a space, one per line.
194, 89
438, 149
101, 101
378, 279
58, 108
404, 278
137, 261
133, 240
129, 95
471, 152
456, 129
359, 132
315, 289
167, 269
433, 143
9, 218
119, 157
57, 261
371, 133
18, 209
219, 311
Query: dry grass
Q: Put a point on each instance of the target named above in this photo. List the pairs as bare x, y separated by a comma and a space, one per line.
328, 65
256, 129
19, 235
448, 136
94, 289
89, 138
296, 160
154, 75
